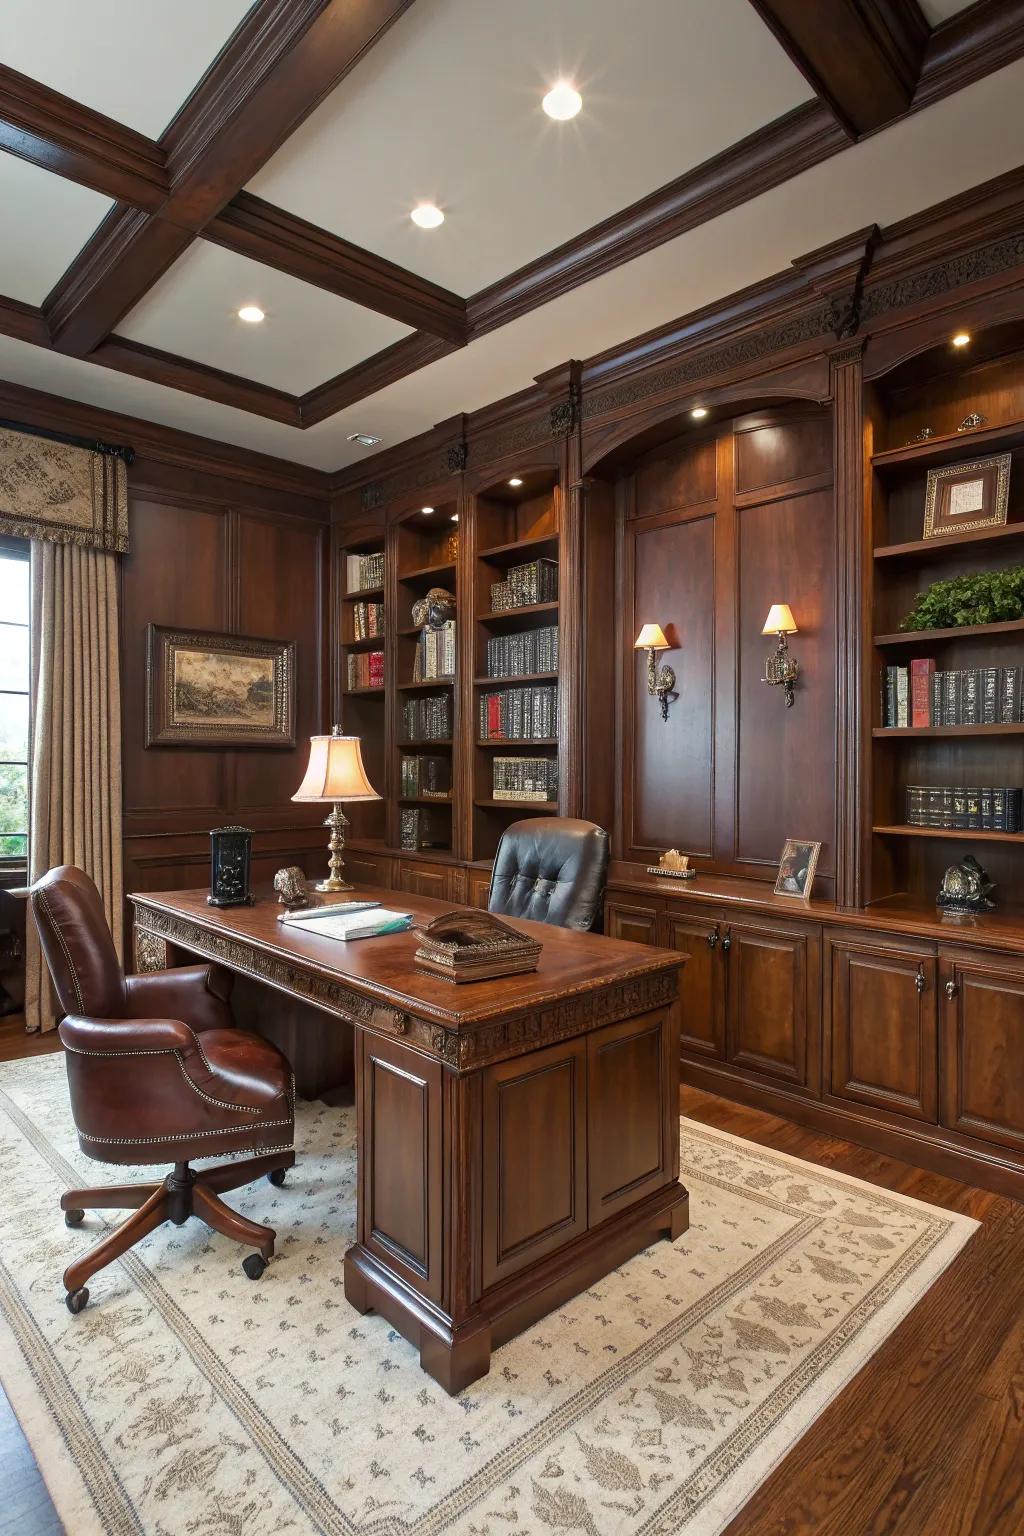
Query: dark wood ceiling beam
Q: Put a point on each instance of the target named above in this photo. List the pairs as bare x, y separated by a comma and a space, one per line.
970, 45
254, 228
50, 130
280, 63
863, 58
385, 367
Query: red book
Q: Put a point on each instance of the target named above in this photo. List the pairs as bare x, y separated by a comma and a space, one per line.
921, 673
493, 715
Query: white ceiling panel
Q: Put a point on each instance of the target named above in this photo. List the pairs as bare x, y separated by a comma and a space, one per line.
135, 60
937, 11
446, 109
44, 222
308, 335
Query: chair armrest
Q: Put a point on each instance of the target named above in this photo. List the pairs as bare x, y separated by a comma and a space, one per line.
198, 993
123, 1037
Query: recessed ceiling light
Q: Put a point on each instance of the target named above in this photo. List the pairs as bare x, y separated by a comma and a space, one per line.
515, 480
364, 439
251, 313
962, 339
426, 511
562, 101
427, 216
699, 412
455, 517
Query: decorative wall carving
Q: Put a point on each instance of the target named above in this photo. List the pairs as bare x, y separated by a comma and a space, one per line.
150, 952
565, 414
971, 267
455, 458
372, 495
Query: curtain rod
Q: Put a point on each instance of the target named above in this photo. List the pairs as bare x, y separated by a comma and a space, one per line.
127, 454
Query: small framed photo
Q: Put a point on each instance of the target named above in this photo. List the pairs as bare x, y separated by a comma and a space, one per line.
217, 690
796, 868
963, 497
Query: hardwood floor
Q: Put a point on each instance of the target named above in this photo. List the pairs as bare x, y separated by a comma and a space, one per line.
928, 1440
14, 1043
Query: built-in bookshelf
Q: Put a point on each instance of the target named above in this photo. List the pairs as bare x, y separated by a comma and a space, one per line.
515, 628
423, 548
958, 755
362, 626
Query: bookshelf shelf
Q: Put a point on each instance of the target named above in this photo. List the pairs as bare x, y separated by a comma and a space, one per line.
378, 689
950, 446
371, 643
941, 547
510, 615
495, 743
429, 572
363, 595
425, 800
518, 805
886, 733
426, 685
511, 682
955, 834
940, 636
538, 547
426, 741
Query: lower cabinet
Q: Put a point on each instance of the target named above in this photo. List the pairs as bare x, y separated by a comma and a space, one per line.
702, 982
434, 880
982, 1006
881, 1025
479, 887
638, 924
368, 868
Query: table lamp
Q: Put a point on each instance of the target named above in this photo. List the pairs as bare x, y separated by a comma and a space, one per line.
335, 772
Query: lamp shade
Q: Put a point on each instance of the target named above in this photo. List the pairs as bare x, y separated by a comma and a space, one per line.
651, 638
335, 771
780, 620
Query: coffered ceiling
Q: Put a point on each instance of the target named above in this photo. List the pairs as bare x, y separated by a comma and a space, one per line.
156, 176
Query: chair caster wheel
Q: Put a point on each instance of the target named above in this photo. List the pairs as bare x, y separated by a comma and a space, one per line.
254, 1266
76, 1300
277, 1176
73, 1218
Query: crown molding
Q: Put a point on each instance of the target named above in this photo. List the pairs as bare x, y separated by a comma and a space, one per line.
975, 43
403, 357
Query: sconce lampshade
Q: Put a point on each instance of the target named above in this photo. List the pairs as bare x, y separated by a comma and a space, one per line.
335, 771
651, 638
780, 620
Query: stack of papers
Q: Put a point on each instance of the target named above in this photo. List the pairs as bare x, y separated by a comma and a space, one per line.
366, 924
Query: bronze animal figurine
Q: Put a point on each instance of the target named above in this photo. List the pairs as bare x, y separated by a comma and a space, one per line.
292, 891
965, 888
435, 609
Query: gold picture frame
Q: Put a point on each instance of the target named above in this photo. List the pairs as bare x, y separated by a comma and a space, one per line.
205, 688
797, 866
961, 498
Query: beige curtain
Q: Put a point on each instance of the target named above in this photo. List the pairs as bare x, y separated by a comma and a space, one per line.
76, 738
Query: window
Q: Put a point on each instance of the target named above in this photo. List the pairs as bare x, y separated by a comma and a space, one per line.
14, 696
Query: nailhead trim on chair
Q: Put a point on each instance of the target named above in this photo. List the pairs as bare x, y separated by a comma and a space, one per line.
167, 1050
143, 1141
134, 1162
67, 953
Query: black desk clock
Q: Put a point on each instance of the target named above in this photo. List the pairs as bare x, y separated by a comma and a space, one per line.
229, 867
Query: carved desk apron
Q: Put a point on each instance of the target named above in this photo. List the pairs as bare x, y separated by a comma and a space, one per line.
518, 1138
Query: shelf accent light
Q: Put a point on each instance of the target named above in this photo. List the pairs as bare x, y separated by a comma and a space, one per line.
780, 670
661, 682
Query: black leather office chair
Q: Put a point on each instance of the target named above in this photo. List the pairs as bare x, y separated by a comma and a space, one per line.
551, 869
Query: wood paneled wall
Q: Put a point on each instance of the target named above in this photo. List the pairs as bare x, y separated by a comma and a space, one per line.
713, 530
215, 555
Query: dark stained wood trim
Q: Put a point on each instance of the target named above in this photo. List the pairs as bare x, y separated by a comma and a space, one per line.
24, 322
366, 378
862, 58
793, 143
126, 356
279, 239
975, 43
50, 130
279, 64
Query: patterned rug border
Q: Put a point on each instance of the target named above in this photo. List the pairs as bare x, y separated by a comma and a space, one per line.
759, 1449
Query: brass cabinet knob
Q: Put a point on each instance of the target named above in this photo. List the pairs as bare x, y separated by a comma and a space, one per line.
951, 990
919, 981
727, 943
713, 938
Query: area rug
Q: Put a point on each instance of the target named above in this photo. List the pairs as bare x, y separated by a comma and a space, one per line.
188, 1401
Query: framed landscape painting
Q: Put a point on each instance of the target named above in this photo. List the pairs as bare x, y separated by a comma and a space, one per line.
217, 690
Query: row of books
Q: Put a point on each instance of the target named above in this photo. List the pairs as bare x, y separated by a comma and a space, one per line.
525, 778
989, 808
363, 571
424, 777
428, 719
367, 620
519, 714
536, 582
919, 695
365, 669
435, 653
419, 828
517, 655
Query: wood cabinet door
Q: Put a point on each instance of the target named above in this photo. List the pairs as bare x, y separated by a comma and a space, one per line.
702, 984
882, 1026
479, 887
626, 920
534, 1172
632, 1113
982, 1007
368, 868
772, 999
425, 880
400, 1160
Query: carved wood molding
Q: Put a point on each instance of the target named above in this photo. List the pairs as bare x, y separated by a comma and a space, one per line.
957, 272
465, 1048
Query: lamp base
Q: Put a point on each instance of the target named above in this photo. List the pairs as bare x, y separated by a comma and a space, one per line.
332, 884
337, 821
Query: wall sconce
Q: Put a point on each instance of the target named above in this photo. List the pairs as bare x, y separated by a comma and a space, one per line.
659, 682
781, 670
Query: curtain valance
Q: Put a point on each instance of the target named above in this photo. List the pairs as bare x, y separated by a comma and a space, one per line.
61, 493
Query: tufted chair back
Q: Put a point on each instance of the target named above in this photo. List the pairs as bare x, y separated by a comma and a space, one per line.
550, 869
77, 945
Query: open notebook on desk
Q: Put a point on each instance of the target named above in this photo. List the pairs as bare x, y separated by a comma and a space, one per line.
349, 920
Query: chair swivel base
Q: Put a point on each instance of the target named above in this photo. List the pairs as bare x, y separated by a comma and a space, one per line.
183, 1193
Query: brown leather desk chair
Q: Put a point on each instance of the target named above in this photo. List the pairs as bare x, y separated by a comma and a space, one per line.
158, 1074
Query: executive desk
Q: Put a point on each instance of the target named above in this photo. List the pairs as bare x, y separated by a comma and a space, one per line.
517, 1138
